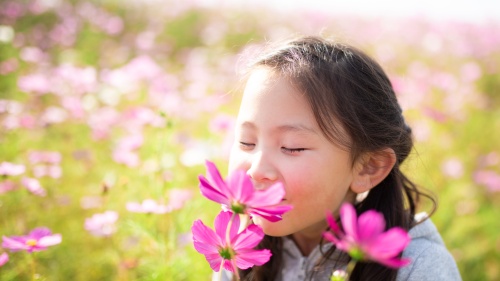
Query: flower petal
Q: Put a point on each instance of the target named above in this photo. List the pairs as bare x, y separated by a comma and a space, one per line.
248, 238
270, 196
204, 239
14, 243
249, 257
4, 258
349, 220
272, 214
39, 232
240, 186
215, 178
214, 260
50, 240
212, 193
370, 225
395, 262
388, 244
221, 222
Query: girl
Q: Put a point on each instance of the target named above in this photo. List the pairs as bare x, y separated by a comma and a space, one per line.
323, 119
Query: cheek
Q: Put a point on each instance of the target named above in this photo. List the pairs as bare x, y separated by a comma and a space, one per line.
237, 160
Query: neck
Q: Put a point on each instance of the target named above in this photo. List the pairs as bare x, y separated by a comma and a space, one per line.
306, 241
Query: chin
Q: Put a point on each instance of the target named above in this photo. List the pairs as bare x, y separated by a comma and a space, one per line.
276, 229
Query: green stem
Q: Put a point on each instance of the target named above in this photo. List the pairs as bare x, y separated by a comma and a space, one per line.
350, 267
33, 266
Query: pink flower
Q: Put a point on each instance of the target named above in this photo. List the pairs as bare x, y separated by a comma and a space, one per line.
238, 250
7, 186
364, 238
37, 240
49, 157
102, 224
239, 195
10, 169
4, 258
177, 197
148, 206
33, 186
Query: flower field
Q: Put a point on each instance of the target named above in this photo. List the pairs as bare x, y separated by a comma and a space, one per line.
109, 109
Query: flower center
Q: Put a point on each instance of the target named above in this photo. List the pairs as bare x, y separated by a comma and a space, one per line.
238, 208
356, 254
31, 242
226, 253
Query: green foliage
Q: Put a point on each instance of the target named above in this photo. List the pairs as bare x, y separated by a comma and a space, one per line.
455, 120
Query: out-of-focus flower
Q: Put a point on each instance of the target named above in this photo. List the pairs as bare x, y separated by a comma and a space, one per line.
7, 186
364, 238
33, 186
453, 168
37, 240
52, 171
91, 202
34, 83
235, 250
49, 157
102, 224
177, 197
488, 178
148, 206
4, 258
239, 195
124, 152
10, 169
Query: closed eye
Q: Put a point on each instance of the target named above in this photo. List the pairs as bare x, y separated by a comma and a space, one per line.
292, 150
246, 146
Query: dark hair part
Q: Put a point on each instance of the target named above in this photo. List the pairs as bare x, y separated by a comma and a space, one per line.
355, 106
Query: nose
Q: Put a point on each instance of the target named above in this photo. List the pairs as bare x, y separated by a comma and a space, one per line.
262, 170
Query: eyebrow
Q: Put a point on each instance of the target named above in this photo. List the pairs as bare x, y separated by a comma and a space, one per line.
300, 128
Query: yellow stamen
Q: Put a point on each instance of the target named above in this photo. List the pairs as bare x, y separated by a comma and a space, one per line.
31, 242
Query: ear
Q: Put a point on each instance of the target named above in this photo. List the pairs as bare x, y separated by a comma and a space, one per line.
371, 169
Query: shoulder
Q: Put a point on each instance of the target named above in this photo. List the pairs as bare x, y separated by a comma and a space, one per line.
430, 260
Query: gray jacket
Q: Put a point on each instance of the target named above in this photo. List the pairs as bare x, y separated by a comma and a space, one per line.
430, 260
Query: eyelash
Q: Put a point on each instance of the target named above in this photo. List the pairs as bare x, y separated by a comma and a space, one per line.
293, 150
248, 146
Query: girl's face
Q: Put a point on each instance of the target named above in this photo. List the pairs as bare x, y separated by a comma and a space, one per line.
278, 139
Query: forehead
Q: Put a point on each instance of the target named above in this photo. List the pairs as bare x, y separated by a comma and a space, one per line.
271, 99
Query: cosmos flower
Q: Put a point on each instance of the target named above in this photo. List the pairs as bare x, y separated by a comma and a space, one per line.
37, 240
364, 238
4, 258
10, 169
148, 206
235, 250
102, 224
238, 194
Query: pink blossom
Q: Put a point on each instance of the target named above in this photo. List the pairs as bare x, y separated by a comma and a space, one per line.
10, 169
364, 238
52, 171
39, 156
488, 178
148, 206
34, 83
37, 240
177, 197
4, 258
33, 186
453, 168
235, 250
7, 186
8, 66
239, 195
102, 224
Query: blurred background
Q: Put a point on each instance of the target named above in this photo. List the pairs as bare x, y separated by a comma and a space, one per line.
105, 104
